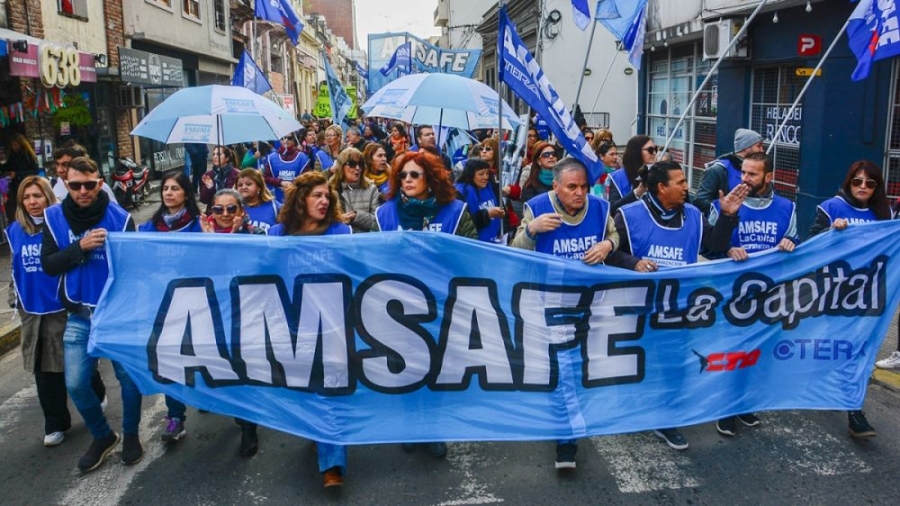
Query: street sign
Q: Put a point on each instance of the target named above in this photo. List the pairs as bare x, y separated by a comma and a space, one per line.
807, 71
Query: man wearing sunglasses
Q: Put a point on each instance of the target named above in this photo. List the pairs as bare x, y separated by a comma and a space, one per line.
74, 247
725, 172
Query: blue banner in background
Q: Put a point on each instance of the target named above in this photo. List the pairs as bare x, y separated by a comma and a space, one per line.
463, 340
425, 58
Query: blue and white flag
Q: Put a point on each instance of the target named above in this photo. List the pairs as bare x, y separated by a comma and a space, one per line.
248, 75
581, 14
522, 74
363, 73
333, 339
401, 60
618, 16
874, 34
634, 39
337, 95
281, 12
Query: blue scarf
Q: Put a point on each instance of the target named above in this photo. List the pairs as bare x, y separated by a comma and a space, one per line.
546, 177
416, 214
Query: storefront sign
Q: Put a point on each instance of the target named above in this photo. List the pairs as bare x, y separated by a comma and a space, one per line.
791, 132
809, 45
171, 156
141, 67
807, 71
54, 65
287, 101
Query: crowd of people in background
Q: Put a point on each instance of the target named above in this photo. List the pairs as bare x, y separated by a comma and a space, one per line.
380, 176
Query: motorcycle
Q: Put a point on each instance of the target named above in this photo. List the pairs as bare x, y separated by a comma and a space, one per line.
130, 183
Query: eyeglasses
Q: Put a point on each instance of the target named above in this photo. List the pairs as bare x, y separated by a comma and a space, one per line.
858, 181
652, 149
87, 185
548, 154
413, 174
353, 164
589, 138
231, 208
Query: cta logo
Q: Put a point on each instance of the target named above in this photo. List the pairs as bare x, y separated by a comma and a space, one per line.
727, 361
815, 349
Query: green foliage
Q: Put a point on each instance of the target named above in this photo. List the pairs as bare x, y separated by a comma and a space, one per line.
74, 110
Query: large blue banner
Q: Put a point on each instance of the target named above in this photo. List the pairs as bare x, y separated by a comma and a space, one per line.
425, 58
407, 336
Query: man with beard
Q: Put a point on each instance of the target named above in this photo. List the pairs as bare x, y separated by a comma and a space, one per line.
725, 173
765, 221
662, 230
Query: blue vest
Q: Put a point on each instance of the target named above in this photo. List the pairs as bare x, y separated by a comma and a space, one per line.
264, 215
734, 174
286, 171
571, 241
761, 229
336, 228
446, 220
36, 290
620, 178
668, 247
837, 207
481, 199
83, 283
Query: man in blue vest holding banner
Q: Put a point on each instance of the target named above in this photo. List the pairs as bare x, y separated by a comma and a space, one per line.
74, 247
725, 173
662, 230
766, 221
568, 222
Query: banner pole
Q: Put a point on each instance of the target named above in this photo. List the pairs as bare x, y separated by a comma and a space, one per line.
497, 155
809, 81
710, 74
587, 54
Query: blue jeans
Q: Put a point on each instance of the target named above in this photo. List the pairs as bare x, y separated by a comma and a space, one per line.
79, 369
331, 455
175, 408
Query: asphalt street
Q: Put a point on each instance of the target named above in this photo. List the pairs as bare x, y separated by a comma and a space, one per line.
792, 458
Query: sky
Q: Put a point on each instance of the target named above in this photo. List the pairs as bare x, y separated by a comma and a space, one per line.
379, 16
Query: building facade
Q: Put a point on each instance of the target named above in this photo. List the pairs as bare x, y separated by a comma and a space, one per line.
341, 16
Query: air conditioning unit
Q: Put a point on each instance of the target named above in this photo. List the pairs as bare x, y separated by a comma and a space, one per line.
130, 97
717, 36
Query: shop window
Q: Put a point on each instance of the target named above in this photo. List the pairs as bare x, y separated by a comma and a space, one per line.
191, 8
674, 75
774, 90
221, 14
892, 158
74, 8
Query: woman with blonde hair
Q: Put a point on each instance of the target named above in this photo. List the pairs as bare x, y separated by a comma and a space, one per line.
359, 196
41, 313
332, 147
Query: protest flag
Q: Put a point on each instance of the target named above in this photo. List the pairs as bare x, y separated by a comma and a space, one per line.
248, 75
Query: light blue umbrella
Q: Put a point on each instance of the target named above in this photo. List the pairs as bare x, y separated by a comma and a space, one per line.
440, 99
216, 114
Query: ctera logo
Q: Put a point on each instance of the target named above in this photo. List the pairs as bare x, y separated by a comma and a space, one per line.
728, 361
816, 349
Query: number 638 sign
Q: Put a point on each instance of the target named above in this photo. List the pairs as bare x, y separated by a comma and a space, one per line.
59, 65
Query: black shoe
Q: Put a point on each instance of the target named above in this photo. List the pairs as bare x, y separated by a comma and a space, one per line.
437, 450
859, 426
726, 426
565, 455
673, 438
749, 419
132, 452
249, 440
97, 452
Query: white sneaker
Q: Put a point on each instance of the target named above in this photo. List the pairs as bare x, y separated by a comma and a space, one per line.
892, 362
54, 438
104, 404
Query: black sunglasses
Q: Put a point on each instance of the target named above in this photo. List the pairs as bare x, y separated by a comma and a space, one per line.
413, 174
353, 164
858, 181
652, 149
231, 208
548, 154
87, 185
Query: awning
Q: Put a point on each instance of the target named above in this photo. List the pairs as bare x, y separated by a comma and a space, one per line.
11, 36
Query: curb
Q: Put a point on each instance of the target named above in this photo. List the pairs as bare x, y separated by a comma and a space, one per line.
10, 337
887, 379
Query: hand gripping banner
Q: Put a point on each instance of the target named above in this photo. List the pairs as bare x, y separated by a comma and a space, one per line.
409, 336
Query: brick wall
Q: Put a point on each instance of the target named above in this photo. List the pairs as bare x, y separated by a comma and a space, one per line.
339, 17
115, 37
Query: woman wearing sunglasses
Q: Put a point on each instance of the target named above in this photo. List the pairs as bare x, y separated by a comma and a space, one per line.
423, 198
540, 178
862, 198
640, 152
259, 203
312, 208
359, 196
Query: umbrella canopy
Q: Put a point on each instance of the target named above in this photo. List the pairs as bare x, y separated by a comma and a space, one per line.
440, 99
216, 114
